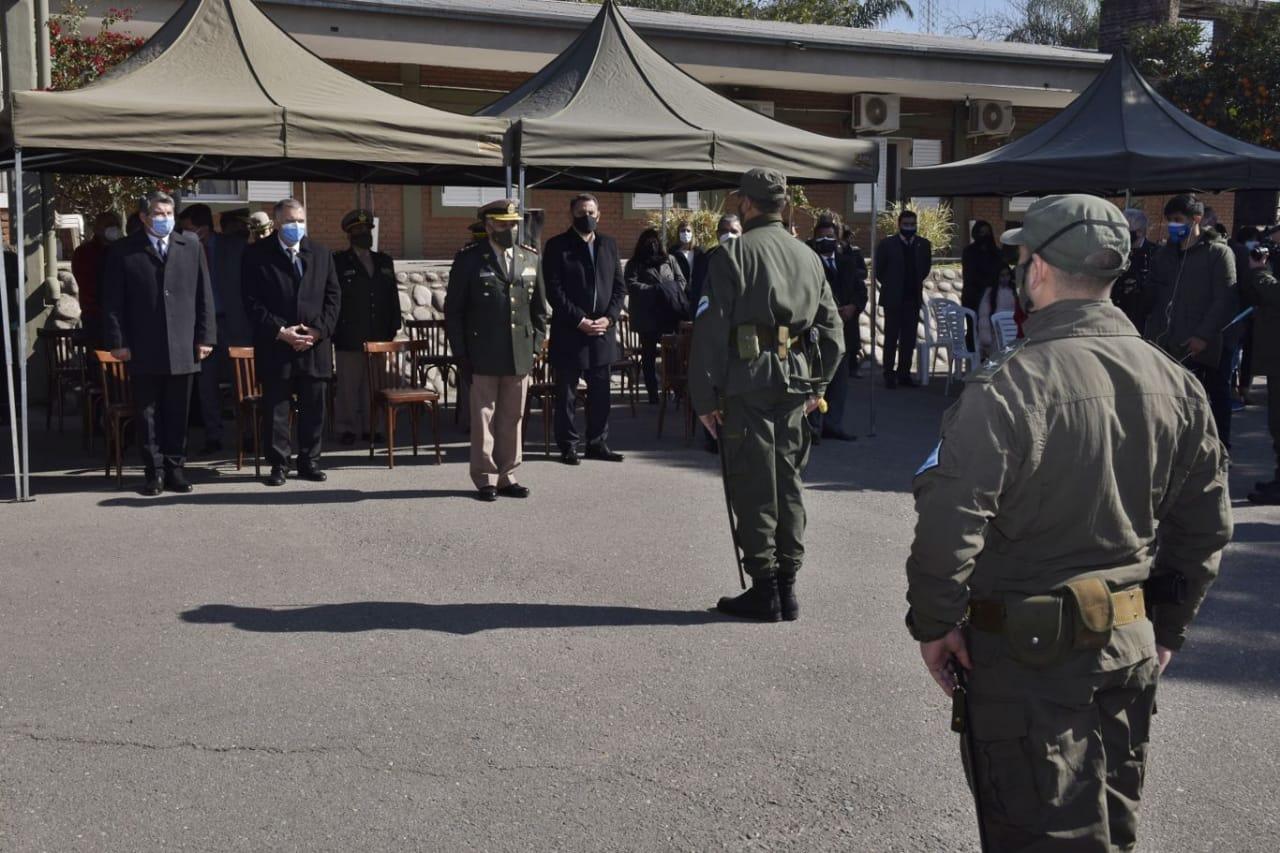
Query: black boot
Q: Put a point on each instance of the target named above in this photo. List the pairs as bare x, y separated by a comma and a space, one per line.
787, 597
759, 602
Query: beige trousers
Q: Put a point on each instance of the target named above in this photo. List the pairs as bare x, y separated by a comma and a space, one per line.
497, 413
351, 402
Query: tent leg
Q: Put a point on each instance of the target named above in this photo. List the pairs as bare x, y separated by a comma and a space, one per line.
520, 225
871, 285
509, 185
24, 468
8, 361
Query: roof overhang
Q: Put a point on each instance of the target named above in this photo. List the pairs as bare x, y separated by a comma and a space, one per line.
523, 35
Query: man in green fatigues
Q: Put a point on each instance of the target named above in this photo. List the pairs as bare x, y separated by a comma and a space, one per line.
495, 314
1070, 523
767, 339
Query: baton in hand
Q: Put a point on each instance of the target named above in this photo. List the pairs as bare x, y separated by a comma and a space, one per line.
728, 503
962, 723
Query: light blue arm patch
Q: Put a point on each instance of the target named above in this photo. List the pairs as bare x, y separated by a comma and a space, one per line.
703, 304
931, 461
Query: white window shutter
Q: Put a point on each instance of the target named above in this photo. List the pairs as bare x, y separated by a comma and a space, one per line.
268, 190
926, 152
473, 197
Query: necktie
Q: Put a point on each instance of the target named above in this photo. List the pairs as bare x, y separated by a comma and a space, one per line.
297, 262
162, 250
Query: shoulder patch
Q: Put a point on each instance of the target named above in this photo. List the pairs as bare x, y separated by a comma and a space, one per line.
528, 248
992, 366
703, 304
931, 461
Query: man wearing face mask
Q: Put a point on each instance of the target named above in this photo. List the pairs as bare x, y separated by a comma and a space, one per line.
847, 278
729, 228
1192, 283
157, 305
1130, 291
496, 316
1071, 520
86, 267
767, 340
292, 297
903, 262
586, 290
370, 312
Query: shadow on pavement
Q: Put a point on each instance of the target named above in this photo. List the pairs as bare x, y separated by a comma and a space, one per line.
446, 618
287, 495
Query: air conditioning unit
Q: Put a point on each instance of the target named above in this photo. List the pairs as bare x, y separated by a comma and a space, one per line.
876, 113
990, 118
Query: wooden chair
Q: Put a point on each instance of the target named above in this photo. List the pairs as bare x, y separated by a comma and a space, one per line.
66, 372
393, 383
674, 376
436, 355
628, 364
117, 409
248, 404
542, 387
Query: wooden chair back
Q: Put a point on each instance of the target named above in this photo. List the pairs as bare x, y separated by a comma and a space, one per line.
65, 351
674, 364
432, 333
246, 373
116, 390
394, 365
628, 339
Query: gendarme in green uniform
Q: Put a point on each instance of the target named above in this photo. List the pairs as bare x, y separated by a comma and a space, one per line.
1039, 512
766, 337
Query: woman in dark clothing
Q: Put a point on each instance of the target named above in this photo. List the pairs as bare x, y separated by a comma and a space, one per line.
980, 266
656, 301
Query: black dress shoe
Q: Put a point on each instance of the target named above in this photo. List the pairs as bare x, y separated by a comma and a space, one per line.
837, 434
602, 453
348, 439
890, 380
570, 457
315, 475
276, 477
176, 481
152, 486
515, 490
487, 494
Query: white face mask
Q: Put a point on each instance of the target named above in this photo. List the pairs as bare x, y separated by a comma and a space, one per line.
726, 238
111, 233
686, 236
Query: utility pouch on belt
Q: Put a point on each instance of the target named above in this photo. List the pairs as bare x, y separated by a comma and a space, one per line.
1095, 612
747, 342
1036, 630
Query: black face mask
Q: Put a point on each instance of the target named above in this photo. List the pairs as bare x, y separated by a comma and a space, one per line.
908, 231
825, 245
504, 239
362, 241
584, 224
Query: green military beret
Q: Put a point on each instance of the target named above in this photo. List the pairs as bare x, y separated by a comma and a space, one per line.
764, 185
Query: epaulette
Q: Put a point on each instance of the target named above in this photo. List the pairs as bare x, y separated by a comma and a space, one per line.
472, 246
992, 366
528, 248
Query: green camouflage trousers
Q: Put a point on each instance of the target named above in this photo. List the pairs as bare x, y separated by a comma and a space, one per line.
766, 446
1060, 758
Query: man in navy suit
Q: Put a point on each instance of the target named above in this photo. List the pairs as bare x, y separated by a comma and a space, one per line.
158, 316
585, 288
292, 297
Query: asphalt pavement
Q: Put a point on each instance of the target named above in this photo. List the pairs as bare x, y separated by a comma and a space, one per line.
379, 662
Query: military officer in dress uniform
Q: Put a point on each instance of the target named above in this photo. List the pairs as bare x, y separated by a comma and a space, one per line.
751, 382
370, 312
1070, 523
496, 318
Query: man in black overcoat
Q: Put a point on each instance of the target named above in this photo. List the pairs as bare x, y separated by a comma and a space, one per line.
292, 297
158, 316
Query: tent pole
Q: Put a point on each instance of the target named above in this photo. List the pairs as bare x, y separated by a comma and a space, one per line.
520, 224
509, 185
8, 358
871, 284
23, 475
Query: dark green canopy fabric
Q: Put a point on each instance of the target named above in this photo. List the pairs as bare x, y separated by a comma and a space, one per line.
220, 90
613, 113
1118, 135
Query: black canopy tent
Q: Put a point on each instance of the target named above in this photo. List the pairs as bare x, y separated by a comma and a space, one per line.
1118, 136
612, 113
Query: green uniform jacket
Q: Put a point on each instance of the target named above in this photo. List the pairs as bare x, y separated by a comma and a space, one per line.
370, 304
1260, 289
765, 278
495, 326
1064, 459
1193, 294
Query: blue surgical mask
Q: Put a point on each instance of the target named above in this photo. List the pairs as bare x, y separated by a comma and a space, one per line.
293, 232
162, 226
1178, 231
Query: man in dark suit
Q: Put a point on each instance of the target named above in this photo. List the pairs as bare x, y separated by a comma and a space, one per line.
292, 297
157, 315
847, 277
903, 262
585, 288
728, 228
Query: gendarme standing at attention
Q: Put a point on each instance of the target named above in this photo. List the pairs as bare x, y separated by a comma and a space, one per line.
1036, 571
767, 339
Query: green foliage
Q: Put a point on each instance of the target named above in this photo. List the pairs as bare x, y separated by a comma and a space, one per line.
840, 13
77, 60
1231, 84
936, 223
704, 222
1065, 23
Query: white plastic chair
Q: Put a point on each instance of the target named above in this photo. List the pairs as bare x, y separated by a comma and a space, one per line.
949, 318
1005, 329
925, 365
